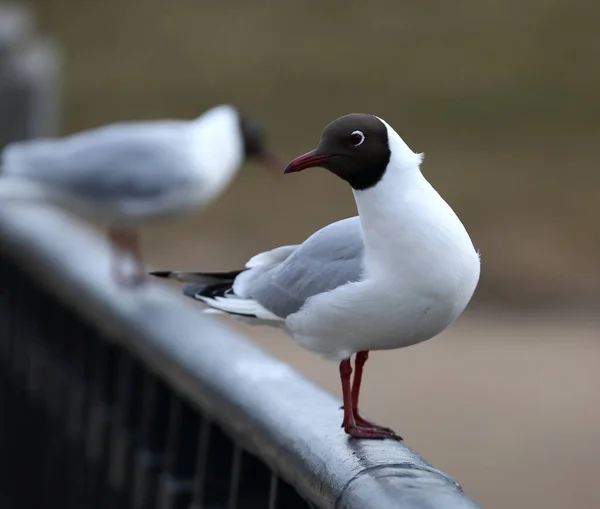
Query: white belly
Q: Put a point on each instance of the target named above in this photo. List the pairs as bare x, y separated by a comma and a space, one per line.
378, 315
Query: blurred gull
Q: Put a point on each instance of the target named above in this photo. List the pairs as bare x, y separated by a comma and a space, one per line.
397, 274
129, 173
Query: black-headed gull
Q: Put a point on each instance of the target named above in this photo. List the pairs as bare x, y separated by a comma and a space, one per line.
397, 274
129, 173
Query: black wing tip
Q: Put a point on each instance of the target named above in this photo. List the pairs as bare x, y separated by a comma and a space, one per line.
161, 273
217, 290
193, 289
197, 290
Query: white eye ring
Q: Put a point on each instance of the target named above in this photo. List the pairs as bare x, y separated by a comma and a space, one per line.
360, 134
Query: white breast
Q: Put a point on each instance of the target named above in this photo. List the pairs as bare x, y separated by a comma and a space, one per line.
217, 149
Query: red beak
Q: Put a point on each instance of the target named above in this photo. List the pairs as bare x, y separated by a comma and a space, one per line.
308, 160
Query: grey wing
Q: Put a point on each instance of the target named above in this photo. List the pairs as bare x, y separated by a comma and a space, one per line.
129, 160
331, 257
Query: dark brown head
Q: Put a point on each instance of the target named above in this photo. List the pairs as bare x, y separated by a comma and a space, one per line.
254, 137
255, 143
354, 147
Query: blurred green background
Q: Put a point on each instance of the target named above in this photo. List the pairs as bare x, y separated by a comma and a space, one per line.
502, 96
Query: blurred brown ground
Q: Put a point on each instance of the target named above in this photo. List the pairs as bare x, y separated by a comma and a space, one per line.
502, 96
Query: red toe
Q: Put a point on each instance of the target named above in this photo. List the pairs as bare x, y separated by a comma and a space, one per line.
365, 423
370, 433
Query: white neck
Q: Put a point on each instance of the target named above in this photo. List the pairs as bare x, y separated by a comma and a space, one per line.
405, 221
219, 146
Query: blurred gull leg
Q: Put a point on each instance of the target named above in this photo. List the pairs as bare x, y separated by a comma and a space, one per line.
128, 240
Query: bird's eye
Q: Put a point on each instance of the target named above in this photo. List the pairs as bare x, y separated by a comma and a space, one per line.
357, 138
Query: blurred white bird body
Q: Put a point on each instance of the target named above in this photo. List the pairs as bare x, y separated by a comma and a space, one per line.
129, 173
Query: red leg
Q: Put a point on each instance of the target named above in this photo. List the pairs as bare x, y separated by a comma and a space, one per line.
361, 358
349, 423
128, 241
345, 374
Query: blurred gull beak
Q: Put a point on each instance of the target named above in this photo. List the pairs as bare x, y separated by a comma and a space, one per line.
272, 162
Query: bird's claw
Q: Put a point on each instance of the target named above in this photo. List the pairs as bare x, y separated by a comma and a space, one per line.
370, 433
132, 280
365, 423
361, 422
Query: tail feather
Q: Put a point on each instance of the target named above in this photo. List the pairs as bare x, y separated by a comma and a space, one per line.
192, 290
216, 290
217, 296
205, 286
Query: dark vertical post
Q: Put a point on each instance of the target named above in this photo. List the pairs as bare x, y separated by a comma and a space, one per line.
30, 69
176, 482
29, 108
125, 437
150, 457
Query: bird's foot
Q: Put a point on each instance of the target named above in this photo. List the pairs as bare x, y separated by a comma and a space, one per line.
130, 279
133, 280
361, 422
365, 423
370, 433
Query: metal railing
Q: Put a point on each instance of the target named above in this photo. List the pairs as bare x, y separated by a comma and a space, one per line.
116, 399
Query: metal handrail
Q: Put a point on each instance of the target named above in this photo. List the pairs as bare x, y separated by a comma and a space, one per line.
262, 405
